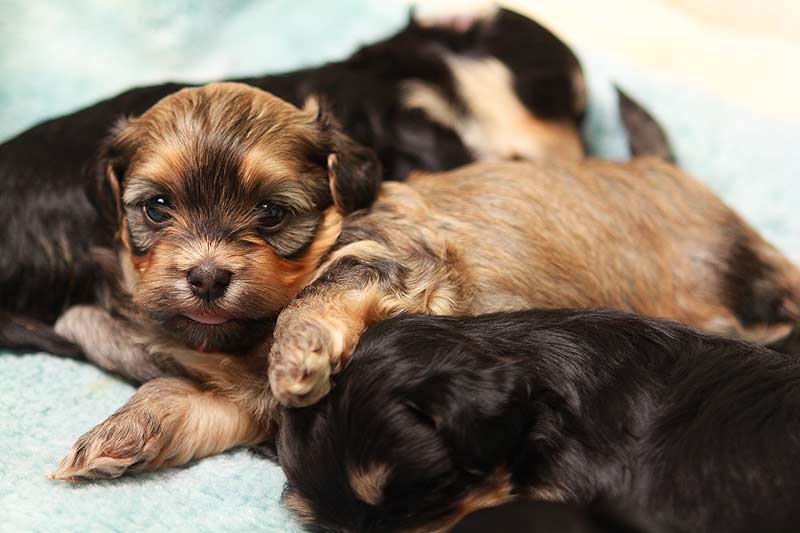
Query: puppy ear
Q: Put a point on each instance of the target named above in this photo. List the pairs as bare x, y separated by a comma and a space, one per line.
354, 171
112, 163
480, 412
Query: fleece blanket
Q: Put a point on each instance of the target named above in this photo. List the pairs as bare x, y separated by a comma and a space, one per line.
59, 56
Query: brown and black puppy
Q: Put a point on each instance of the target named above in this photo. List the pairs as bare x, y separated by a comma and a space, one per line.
227, 199
236, 207
436, 417
417, 98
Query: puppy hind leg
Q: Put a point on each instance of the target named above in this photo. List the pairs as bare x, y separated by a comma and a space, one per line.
107, 342
168, 422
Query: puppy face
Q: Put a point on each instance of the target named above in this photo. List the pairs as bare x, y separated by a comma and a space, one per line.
228, 197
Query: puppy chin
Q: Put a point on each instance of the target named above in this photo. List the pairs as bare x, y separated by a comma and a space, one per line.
213, 333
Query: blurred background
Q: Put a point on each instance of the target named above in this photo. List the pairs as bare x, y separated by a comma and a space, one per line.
743, 51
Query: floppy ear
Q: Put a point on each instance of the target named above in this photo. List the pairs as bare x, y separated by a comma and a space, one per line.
480, 412
110, 171
354, 171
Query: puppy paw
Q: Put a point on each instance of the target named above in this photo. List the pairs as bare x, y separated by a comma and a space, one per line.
301, 360
125, 442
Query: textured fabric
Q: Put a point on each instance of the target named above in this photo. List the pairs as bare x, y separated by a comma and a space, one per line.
59, 56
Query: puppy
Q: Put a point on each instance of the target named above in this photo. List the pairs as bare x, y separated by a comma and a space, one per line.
234, 208
438, 416
417, 98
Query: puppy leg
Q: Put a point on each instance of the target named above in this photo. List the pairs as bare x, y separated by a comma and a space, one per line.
168, 422
107, 342
316, 333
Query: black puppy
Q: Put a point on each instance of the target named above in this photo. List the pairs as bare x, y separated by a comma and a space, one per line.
436, 417
408, 97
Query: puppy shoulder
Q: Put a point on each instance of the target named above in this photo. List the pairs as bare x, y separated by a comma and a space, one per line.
401, 198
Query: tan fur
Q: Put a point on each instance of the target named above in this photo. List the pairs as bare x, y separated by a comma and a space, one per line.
297, 274
324, 329
498, 125
496, 490
299, 508
546, 494
168, 422
640, 236
165, 138
164, 135
368, 484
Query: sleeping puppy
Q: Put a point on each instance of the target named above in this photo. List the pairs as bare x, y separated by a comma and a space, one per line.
436, 417
416, 98
236, 207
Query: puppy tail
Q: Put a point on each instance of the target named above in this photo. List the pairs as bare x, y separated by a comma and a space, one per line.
24, 334
645, 134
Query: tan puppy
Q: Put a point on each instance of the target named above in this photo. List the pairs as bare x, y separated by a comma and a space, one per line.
236, 207
640, 236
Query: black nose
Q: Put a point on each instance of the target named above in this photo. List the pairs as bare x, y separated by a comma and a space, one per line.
208, 281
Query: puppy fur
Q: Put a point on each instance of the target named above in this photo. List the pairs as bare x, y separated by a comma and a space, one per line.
486, 237
55, 230
507, 236
436, 417
532, 516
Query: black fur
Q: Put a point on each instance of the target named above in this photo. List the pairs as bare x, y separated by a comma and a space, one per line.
527, 516
700, 433
20, 334
51, 218
645, 134
357, 171
752, 299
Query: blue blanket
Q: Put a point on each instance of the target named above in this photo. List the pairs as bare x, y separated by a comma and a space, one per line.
59, 56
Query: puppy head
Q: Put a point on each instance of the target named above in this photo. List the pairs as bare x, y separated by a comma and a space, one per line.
420, 429
228, 196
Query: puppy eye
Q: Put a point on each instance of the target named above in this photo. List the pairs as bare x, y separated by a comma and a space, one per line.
156, 210
270, 214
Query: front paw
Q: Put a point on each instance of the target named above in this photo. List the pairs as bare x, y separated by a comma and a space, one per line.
301, 360
127, 441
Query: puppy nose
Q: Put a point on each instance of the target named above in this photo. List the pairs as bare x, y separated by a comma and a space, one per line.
208, 281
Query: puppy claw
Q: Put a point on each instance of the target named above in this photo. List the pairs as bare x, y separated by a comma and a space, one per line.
97, 468
125, 442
